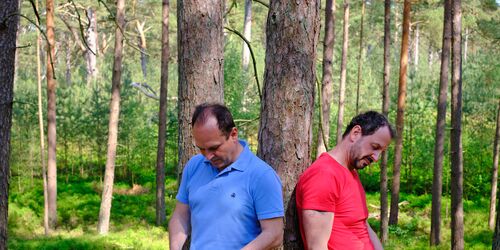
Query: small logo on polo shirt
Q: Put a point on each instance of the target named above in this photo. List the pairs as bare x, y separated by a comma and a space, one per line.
233, 195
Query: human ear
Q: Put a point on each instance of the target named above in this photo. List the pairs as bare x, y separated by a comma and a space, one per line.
355, 133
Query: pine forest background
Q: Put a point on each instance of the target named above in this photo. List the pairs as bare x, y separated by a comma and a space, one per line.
83, 115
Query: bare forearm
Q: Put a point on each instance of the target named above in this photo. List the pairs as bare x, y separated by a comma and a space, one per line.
265, 240
178, 227
177, 234
377, 245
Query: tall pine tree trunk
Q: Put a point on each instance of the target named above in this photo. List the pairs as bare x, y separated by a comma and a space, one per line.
437, 182
360, 56
201, 64
457, 210
403, 69
343, 71
114, 113
162, 126
247, 33
494, 176
8, 35
285, 132
51, 117
42, 133
327, 81
91, 51
384, 208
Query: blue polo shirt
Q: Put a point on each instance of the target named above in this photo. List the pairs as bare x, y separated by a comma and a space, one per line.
226, 206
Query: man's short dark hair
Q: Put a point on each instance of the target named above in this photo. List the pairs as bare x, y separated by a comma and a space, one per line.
221, 113
369, 122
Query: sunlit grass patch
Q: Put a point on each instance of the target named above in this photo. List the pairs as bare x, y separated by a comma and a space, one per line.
414, 223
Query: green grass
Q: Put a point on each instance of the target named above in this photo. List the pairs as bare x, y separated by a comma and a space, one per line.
132, 224
414, 223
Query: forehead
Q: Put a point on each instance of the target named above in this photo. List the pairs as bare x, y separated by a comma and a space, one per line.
207, 132
382, 136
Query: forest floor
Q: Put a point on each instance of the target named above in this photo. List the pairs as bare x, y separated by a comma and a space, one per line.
133, 218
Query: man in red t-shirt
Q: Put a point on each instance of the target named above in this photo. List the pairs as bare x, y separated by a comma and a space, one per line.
330, 198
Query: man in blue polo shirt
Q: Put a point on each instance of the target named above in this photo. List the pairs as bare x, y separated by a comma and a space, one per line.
228, 197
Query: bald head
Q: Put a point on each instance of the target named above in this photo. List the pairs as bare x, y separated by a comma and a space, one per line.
204, 112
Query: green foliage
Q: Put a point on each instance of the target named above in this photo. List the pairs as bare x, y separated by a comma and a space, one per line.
133, 214
413, 229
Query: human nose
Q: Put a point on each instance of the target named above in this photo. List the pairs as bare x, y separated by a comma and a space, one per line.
376, 155
209, 154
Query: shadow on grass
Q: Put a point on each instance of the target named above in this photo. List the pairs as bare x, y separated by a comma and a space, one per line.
481, 238
61, 243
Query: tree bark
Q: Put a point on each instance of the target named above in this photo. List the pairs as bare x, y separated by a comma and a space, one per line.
457, 213
327, 81
114, 113
91, 51
247, 33
494, 176
437, 182
162, 126
360, 56
384, 211
285, 132
8, 37
201, 65
51, 118
343, 71
42, 133
403, 69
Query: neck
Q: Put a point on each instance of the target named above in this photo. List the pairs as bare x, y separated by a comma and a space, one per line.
341, 154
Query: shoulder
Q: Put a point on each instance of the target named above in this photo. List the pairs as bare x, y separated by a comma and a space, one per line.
194, 164
322, 172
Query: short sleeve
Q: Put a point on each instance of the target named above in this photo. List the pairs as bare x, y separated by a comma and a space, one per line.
183, 194
268, 196
318, 191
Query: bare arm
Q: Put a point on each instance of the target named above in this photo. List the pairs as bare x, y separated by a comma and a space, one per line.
270, 237
178, 226
317, 228
377, 245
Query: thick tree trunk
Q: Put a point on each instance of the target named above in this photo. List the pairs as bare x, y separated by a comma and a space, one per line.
247, 33
403, 69
51, 118
91, 52
384, 209
437, 182
360, 56
343, 71
114, 113
457, 213
457, 210
201, 64
162, 126
8, 37
327, 81
494, 176
285, 132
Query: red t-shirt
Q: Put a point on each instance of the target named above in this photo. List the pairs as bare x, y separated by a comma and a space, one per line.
328, 186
